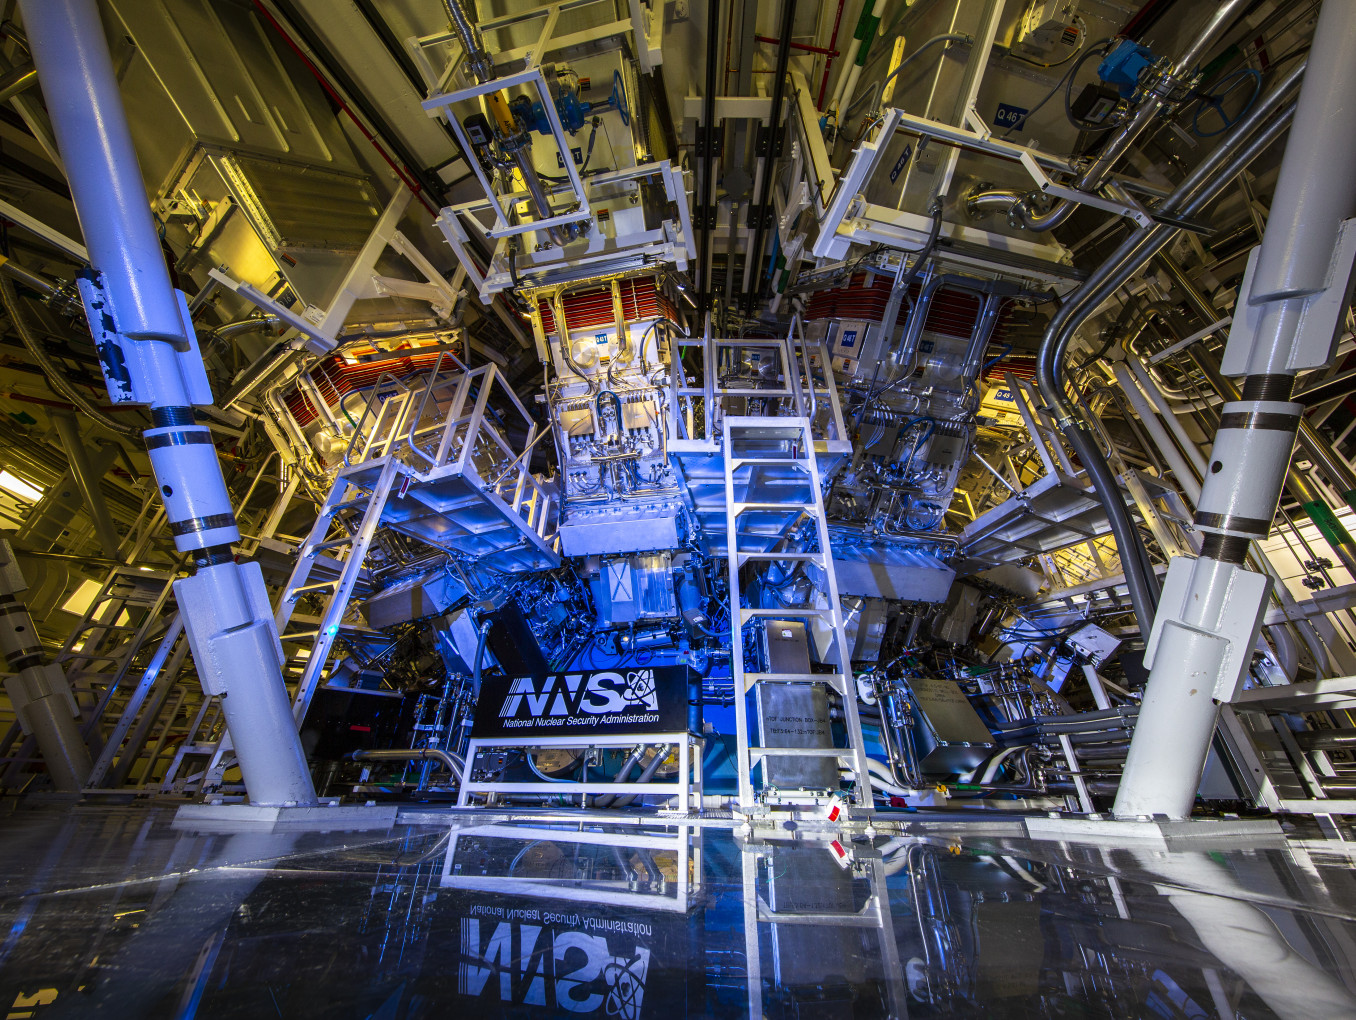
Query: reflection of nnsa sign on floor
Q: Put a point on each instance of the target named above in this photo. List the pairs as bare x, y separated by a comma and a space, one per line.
568, 971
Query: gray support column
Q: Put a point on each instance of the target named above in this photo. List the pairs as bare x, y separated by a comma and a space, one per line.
148, 350
88, 483
1185, 477
1207, 622
38, 692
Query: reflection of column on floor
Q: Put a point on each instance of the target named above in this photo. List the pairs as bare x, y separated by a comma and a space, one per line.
1245, 940
181, 936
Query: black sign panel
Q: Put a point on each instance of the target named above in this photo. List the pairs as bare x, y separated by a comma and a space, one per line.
609, 702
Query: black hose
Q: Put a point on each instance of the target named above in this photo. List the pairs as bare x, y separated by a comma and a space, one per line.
480, 654
1268, 119
51, 372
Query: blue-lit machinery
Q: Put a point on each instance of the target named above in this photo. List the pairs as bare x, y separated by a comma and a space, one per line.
703, 447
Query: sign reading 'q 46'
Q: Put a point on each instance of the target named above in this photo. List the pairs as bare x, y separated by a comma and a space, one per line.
610, 701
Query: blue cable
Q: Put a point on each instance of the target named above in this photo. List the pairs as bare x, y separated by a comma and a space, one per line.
1007, 349
619, 98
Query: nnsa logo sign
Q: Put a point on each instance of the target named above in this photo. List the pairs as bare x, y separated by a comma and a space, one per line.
571, 971
604, 693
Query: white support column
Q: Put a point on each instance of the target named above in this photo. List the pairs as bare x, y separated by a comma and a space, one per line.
1207, 621
148, 353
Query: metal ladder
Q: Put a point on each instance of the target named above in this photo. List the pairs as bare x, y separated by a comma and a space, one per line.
355, 487
772, 488
372, 492
100, 651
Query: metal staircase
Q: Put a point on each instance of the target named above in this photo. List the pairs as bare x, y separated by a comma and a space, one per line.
143, 706
774, 515
427, 459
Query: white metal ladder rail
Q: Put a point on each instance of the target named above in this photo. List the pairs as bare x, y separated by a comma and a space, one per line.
99, 624
797, 432
373, 502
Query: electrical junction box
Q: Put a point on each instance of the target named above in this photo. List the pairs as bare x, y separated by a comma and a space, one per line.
1096, 103
854, 348
1049, 28
1094, 644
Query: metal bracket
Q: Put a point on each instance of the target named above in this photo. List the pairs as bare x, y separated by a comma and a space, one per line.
717, 140
762, 140
1237, 629
318, 341
761, 216
1321, 322
128, 370
1126, 206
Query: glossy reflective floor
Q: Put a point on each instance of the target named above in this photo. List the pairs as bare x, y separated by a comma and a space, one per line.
113, 912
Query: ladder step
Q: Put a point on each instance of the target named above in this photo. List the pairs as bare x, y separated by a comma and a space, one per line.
311, 589
352, 504
807, 752
793, 678
737, 461
803, 508
108, 626
333, 543
800, 557
783, 614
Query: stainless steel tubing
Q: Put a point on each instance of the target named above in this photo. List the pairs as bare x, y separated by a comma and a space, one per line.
1233, 154
479, 62
660, 754
1094, 176
447, 759
603, 800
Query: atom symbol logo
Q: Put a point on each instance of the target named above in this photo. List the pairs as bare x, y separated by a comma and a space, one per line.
627, 988
640, 686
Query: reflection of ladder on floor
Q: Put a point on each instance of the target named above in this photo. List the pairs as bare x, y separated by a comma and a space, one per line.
803, 898
127, 611
774, 515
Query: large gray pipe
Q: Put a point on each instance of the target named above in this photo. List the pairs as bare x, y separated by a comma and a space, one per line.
104, 530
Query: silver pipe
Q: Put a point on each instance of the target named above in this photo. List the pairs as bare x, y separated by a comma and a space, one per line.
447, 759
477, 60
1213, 173
16, 81
1162, 94
661, 753
241, 326
607, 798
88, 484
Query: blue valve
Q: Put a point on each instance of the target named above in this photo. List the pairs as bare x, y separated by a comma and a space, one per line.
1124, 64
